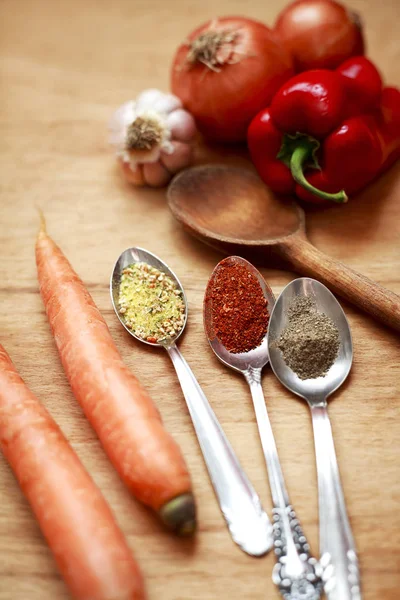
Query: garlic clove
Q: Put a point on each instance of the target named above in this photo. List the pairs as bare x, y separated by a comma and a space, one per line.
118, 125
167, 103
135, 175
122, 117
182, 125
147, 99
155, 174
117, 139
180, 157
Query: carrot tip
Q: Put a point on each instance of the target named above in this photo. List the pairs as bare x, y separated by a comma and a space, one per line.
42, 221
179, 514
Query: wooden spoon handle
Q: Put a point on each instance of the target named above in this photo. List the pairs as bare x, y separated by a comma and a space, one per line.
371, 297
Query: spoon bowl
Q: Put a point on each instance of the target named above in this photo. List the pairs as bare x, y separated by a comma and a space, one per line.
230, 208
310, 389
256, 358
137, 255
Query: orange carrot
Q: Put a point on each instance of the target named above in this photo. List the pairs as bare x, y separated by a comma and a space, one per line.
90, 549
121, 412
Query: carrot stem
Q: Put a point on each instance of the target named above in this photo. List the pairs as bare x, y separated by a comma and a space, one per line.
179, 514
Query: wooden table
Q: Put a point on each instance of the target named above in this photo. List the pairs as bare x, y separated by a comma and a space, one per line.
65, 66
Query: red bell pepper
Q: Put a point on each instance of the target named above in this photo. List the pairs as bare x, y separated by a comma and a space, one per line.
340, 127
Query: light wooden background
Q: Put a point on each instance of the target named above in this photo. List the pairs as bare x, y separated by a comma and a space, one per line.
65, 66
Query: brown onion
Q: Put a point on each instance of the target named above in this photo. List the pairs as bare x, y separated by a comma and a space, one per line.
226, 71
319, 34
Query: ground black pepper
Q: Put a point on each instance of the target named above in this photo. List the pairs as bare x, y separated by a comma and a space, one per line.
239, 312
310, 342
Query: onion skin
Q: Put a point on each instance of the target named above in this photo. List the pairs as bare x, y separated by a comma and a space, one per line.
319, 34
224, 102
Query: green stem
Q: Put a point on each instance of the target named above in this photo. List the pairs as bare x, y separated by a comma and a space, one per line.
299, 157
179, 514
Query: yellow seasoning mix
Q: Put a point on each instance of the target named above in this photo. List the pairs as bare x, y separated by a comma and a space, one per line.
150, 303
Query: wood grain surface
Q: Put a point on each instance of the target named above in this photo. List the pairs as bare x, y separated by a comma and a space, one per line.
65, 66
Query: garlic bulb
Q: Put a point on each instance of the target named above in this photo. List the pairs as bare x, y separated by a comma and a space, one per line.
153, 137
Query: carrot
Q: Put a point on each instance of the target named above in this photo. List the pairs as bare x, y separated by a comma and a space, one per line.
121, 412
90, 549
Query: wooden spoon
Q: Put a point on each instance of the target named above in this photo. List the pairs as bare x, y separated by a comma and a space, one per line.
231, 209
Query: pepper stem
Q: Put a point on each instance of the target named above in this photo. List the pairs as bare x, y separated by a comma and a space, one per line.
298, 159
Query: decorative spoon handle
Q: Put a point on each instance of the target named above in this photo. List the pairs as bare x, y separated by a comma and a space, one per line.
248, 523
338, 553
296, 573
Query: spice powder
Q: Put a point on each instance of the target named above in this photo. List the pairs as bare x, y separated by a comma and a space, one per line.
150, 303
239, 312
310, 342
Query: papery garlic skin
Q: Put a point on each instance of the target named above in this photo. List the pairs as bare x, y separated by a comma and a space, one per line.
153, 137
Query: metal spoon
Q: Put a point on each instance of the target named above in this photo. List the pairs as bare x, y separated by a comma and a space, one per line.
248, 524
296, 573
338, 552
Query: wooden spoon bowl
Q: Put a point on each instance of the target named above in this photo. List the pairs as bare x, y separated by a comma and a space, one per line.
229, 208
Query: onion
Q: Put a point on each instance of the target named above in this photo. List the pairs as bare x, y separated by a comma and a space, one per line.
319, 34
226, 72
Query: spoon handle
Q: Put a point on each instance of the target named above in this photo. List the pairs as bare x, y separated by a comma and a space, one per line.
371, 297
296, 573
338, 553
248, 524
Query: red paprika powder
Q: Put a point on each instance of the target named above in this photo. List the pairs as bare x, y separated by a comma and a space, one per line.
237, 307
